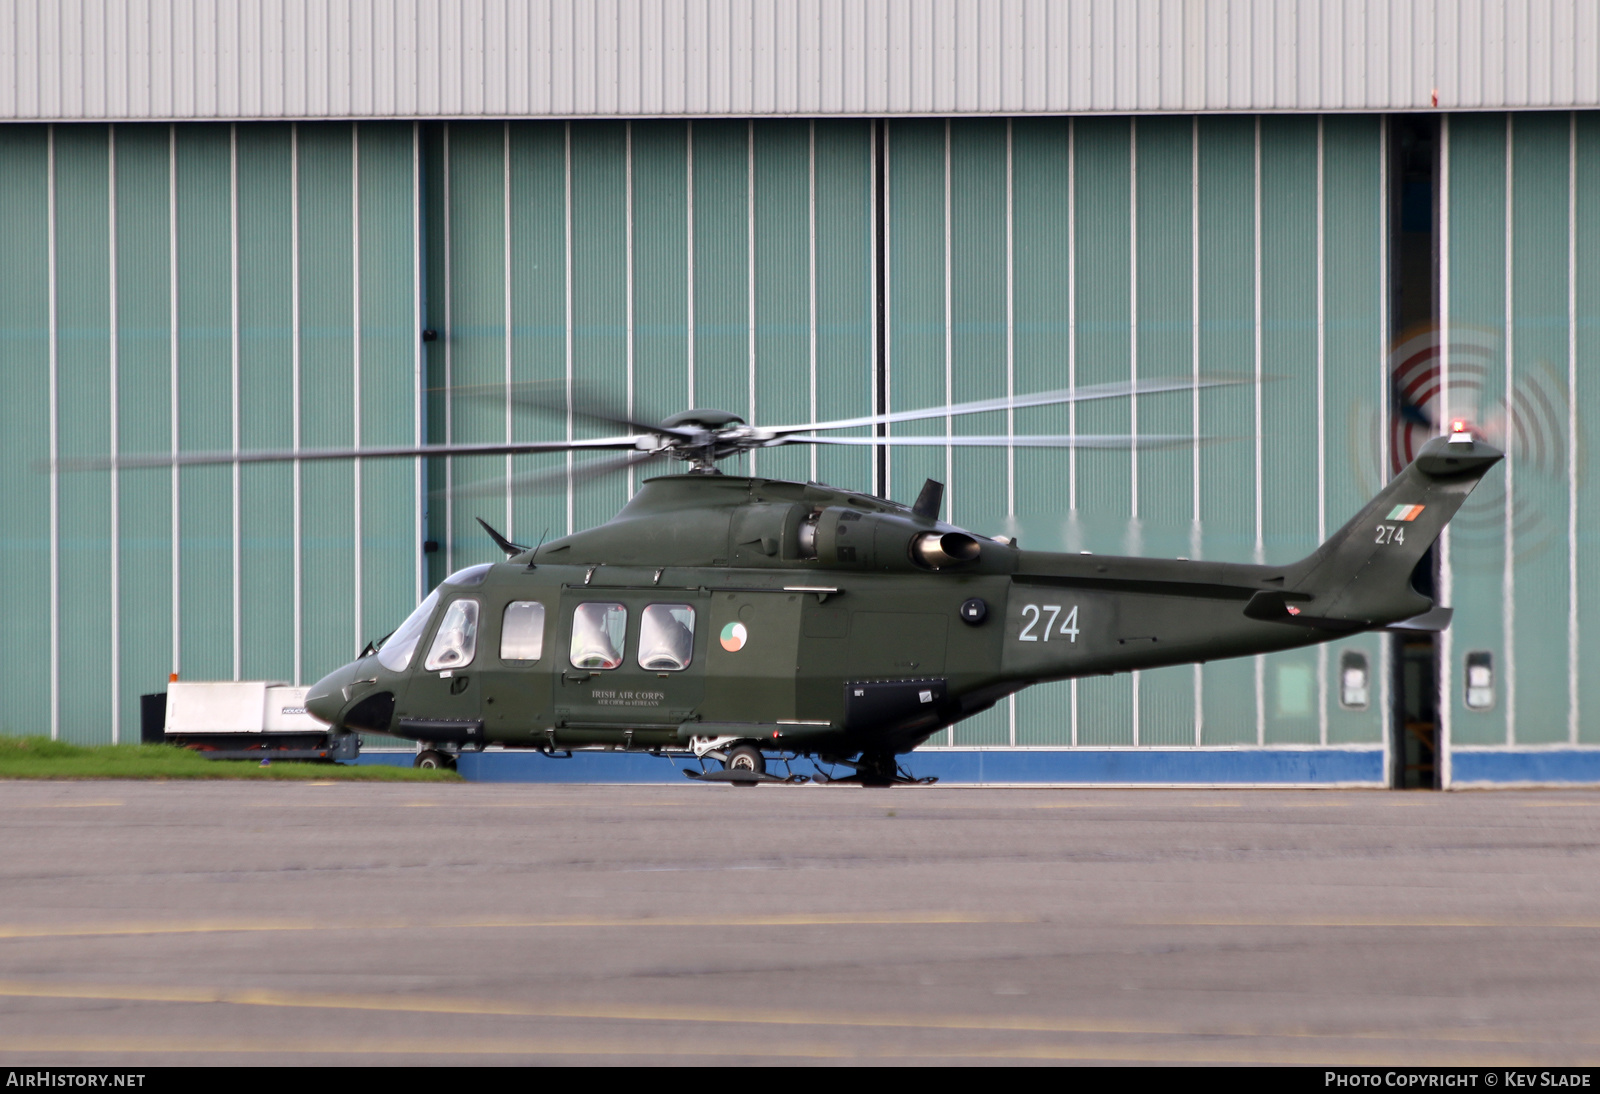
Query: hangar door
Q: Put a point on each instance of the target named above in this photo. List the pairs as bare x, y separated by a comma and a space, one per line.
201, 288
781, 269
1045, 253
1519, 331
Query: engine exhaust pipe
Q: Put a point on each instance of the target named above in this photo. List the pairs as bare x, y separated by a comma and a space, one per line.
937, 550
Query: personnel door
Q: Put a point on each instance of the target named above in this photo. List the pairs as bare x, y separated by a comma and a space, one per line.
518, 657
634, 664
443, 700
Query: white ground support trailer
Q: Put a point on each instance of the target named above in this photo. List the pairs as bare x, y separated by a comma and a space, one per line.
250, 720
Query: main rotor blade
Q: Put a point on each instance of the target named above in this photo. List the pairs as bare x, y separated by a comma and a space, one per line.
1018, 402
535, 482
550, 397
1078, 440
306, 455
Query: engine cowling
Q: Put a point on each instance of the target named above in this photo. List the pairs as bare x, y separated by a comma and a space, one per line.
839, 536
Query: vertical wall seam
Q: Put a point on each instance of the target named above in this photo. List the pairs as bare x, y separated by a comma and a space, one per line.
571, 347
628, 276
294, 394
1385, 643
1011, 380
1072, 338
418, 382
114, 440
882, 313
750, 272
1508, 555
1135, 534
1322, 406
1573, 694
505, 276
811, 280
357, 526
1011, 337
174, 436
235, 420
949, 356
53, 386
449, 363
949, 344
1445, 698
1196, 541
1072, 366
1260, 541
689, 248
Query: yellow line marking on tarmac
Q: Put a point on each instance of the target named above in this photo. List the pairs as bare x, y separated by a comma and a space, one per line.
1212, 1051
1561, 805
1531, 924
795, 919
633, 1047
60, 805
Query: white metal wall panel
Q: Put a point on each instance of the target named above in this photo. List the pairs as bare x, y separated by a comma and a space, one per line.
67, 60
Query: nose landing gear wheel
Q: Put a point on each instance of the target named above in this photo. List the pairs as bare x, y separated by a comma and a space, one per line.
746, 758
434, 760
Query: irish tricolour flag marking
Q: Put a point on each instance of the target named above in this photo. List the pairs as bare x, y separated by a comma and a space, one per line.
1405, 512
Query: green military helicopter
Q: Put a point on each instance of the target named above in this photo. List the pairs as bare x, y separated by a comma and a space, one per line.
738, 618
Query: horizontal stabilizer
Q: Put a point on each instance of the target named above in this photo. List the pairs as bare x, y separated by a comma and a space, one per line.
1429, 622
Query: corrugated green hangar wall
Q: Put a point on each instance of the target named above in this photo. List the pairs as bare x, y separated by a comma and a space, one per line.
201, 287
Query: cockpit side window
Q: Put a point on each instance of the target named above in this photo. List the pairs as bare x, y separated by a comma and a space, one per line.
598, 632
457, 641
666, 637
522, 631
397, 650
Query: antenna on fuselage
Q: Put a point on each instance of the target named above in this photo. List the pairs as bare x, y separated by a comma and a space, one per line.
535, 554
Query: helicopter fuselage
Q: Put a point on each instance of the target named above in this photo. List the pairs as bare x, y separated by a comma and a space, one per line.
817, 621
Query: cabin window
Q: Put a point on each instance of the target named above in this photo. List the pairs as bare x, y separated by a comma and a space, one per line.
598, 632
666, 637
457, 640
522, 631
395, 653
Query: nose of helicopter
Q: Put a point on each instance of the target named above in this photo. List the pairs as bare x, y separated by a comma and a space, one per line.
326, 698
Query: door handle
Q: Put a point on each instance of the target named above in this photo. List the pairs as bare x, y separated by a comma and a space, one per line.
459, 684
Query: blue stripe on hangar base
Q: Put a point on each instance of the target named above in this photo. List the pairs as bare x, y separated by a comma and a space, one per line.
976, 766
1498, 766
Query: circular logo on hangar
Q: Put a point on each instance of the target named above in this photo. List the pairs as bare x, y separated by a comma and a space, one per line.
734, 636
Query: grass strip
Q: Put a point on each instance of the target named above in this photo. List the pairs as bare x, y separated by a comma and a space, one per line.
42, 758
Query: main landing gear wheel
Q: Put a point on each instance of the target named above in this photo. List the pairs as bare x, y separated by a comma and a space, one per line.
434, 760
745, 758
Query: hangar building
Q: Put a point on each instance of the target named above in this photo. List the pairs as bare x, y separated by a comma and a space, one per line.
299, 223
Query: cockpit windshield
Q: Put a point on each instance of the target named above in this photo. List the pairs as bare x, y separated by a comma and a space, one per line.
396, 652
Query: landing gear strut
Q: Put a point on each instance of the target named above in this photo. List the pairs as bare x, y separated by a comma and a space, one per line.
878, 771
